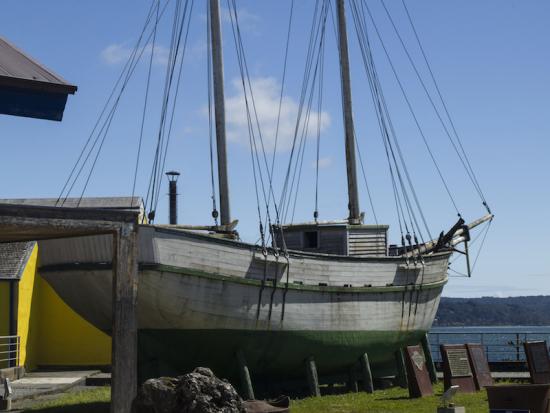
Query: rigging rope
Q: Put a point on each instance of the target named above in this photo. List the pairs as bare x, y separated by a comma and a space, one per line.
178, 47
247, 91
411, 110
387, 130
146, 99
111, 105
461, 156
291, 14
451, 122
311, 70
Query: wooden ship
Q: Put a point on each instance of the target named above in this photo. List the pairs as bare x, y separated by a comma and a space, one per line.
328, 290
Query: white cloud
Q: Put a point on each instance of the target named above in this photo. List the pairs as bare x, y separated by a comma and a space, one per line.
266, 92
323, 163
248, 21
117, 53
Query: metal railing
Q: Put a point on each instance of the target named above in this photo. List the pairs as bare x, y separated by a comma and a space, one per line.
499, 346
10, 347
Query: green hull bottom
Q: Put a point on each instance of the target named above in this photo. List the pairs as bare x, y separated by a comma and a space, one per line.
270, 355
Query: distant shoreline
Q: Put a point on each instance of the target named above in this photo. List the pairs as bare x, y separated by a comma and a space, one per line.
525, 311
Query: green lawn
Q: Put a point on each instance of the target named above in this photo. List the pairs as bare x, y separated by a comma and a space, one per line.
95, 400
382, 401
385, 401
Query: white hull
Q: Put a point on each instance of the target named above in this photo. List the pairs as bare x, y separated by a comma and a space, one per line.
193, 281
199, 297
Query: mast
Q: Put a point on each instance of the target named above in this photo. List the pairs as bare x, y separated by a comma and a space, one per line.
219, 109
353, 196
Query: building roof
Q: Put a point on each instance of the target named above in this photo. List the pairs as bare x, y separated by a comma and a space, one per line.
119, 202
29, 89
13, 258
19, 70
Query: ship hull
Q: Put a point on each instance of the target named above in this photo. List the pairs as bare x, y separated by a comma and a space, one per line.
200, 301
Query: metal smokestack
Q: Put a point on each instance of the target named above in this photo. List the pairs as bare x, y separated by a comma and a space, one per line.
173, 196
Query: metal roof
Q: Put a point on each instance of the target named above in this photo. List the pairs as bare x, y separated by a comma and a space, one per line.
21, 71
120, 202
13, 258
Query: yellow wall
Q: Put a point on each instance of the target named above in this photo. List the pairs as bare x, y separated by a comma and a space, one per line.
28, 313
66, 339
51, 332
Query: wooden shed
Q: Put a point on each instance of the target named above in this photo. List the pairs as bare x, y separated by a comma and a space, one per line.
336, 237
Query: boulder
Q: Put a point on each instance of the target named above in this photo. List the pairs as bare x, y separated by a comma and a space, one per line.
197, 392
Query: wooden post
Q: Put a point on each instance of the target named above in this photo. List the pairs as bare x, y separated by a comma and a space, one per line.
219, 109
401, 370
124, 345
312, 378
352, 380
353, 195
246, 381
367, 374
429, 360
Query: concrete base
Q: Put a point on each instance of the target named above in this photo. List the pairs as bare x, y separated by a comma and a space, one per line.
454, 409
5, 405
12, 373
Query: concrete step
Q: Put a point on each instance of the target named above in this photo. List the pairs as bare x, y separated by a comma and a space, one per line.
99, 379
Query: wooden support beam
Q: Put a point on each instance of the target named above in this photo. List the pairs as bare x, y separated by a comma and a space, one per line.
352, 380
401, 369
246, 381
31, 223
312, 377
367, 374
429, 360
124, 345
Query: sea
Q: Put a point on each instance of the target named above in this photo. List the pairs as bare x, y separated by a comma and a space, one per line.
501, 343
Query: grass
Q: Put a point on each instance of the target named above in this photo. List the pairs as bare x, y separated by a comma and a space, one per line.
96, 400
382, 401
394, 400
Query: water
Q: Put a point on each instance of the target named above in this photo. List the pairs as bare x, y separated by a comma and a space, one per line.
501, 343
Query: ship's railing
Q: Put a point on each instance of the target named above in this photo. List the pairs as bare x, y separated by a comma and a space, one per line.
10, 347
499, 346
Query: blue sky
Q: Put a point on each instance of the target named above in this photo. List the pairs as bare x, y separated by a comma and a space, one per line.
491, 59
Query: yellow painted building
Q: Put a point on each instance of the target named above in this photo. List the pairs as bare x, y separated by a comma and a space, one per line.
50, 333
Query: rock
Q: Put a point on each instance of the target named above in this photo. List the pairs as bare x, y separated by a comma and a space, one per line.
156, 396
197, 392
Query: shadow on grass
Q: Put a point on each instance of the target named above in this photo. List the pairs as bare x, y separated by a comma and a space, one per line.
97, 407
395, 398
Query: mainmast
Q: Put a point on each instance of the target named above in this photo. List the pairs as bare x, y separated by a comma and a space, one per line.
219, 109
353, 206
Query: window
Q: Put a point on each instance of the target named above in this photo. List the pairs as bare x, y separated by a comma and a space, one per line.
311, 239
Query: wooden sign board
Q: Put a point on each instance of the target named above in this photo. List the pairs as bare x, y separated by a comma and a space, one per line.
479, 366
538, 361
420, 384
456, 368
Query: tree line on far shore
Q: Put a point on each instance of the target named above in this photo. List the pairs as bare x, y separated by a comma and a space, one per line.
493, 311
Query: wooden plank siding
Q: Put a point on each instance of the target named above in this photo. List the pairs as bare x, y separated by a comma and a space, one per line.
367, 242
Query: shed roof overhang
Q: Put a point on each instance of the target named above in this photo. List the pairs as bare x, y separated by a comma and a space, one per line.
34, 223
27, 88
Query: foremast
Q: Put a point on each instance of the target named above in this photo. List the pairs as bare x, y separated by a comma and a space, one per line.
353, 195
219, 110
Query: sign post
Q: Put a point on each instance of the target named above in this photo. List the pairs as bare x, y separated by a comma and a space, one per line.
456, 368
420, 384
480, 366
538, 361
